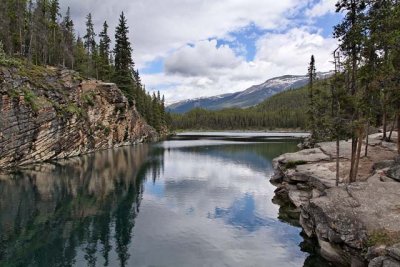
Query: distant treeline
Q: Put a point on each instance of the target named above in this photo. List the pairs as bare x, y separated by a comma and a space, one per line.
284, 110
35, 32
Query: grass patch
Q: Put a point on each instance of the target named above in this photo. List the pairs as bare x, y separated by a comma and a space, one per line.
383, 237
88, 98
72, 108
31, 99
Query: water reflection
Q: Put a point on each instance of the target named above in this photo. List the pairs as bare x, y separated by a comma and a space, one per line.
60, 214
176, 203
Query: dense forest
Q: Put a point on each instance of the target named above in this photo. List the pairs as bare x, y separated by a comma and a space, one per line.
35, 32
287, 109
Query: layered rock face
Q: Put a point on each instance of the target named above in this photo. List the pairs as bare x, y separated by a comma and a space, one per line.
49, 114
354, 223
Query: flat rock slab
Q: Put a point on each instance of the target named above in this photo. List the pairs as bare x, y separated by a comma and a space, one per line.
307, 155
321, 175
329, 148
374, 204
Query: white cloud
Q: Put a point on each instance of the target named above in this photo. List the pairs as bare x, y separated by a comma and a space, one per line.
277, 54
159, 26
162, 29
322, 8
204, 58
291, 51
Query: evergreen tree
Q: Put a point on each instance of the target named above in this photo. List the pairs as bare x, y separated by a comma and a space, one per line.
123, 59
80, 57
350, 33
54, 42
311, 112
67, 27
90, 45
104, 54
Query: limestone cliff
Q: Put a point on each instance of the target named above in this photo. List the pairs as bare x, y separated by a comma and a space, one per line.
49, 113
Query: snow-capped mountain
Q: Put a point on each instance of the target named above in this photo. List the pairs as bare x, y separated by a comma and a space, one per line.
247, 98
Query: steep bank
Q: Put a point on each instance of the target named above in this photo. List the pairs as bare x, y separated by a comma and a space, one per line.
49, 113
355, 224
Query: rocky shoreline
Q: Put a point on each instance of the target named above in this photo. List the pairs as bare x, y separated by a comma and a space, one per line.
356, 224
50, 113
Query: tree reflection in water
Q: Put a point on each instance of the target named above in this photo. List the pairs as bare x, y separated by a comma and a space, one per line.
47, 211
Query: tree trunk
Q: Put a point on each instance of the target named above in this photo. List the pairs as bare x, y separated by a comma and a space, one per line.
359, 145
337, 159
354, 142
367, 140
384, 119
398, 131
392, 129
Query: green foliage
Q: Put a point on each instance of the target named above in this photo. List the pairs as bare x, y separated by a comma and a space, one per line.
88, 98
124, 65
5, 60
31, 99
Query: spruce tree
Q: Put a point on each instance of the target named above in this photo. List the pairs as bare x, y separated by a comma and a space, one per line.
350, 33
104, 54
123, 62
311, 111
90, 45
67, 27
54, 40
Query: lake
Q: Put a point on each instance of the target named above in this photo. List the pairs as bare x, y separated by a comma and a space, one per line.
194, 200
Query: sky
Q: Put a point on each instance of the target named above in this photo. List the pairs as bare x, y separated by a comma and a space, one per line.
198, 48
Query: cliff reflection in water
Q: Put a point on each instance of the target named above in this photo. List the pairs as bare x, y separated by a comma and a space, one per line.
50, 214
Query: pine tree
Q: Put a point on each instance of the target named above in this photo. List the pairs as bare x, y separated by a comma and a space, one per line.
104, 54
311, 112
67, 27
90, 45
350, 33
80, 56
54, 14
123, 59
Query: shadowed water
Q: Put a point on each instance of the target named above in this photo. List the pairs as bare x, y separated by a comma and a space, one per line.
197, 202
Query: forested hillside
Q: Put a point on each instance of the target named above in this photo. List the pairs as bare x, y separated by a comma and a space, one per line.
248, 98
35, 32
284, 110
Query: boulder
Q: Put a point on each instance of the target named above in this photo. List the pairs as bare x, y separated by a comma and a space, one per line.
394, 173
384, 261
307, 155
394, 252
383, 164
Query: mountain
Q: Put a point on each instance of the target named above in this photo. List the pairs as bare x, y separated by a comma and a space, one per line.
247, 98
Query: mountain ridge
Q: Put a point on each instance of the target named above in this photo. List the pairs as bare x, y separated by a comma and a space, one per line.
246, 98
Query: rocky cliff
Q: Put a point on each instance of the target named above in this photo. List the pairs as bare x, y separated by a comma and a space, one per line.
49, 113
355, 224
